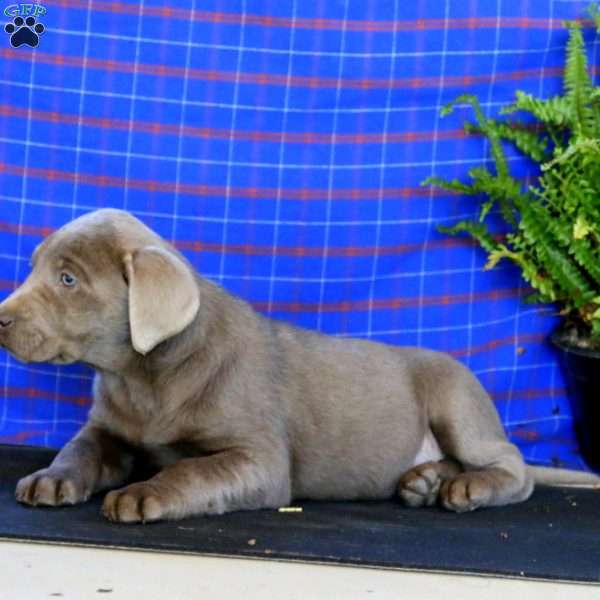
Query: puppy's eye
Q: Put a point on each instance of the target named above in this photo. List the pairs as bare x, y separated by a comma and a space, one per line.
67, 279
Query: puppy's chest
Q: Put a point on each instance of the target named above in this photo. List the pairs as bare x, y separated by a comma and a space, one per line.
142, 415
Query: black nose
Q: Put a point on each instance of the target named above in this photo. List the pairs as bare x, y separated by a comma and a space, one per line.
5, 322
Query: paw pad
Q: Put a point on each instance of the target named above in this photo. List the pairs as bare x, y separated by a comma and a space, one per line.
24, 31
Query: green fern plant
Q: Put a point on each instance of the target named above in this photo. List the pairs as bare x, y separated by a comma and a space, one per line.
553, 226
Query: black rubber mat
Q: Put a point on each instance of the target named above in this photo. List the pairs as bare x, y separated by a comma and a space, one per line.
555, 535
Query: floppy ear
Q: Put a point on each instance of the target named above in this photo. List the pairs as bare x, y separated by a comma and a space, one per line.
163, 296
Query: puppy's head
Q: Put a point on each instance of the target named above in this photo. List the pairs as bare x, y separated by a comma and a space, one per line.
102, 288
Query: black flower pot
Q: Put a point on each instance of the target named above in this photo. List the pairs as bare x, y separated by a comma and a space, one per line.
581, 369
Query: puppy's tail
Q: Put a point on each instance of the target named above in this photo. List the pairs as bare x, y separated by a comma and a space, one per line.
564, 477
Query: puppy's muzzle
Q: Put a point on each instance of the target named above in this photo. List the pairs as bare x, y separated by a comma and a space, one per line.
6, 322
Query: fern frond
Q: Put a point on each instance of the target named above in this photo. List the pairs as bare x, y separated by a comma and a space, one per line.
500, 190
484, 124
477, 231
555, 111
595, 15
530, 143
536, 227
595, 324
577, 83
452, 186
579, 248
587, 259
580, 146
595, 105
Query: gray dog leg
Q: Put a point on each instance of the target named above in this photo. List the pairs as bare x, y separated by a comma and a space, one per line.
468, 430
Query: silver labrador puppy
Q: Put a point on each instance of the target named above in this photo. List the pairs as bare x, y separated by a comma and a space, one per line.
238, 411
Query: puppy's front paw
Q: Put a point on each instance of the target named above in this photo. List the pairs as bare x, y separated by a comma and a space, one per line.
466, 492
135, 503
51, 487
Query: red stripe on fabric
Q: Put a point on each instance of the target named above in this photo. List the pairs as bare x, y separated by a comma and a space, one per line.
157, 128
381, 304
529, 338
34, 393
6, 284
279, 80
20, 437
529, 435
83, 401
6, 227
293, 251
227, 18
530, 394
318, 252
388, 303
216, 190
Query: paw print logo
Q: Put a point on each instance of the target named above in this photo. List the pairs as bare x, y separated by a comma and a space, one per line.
24, 31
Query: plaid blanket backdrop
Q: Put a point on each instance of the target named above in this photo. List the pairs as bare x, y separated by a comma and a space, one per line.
280, 145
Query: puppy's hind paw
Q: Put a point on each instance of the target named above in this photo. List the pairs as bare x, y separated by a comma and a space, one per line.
466, 492
421, 485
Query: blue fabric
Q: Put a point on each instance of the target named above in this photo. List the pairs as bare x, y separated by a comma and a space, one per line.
281, 145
